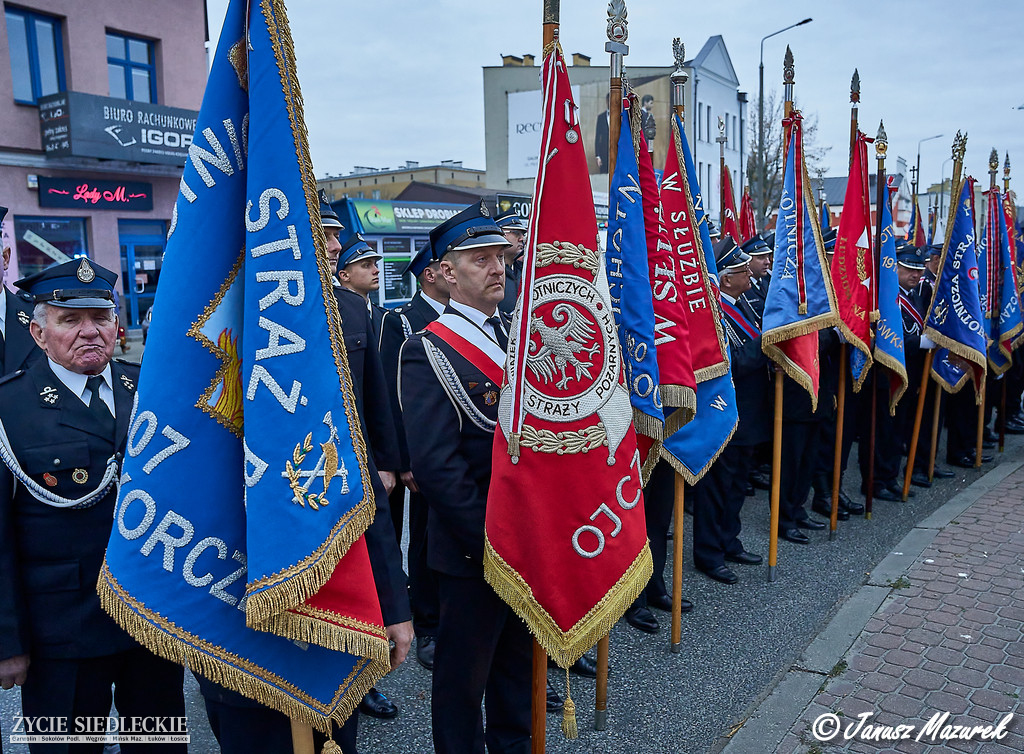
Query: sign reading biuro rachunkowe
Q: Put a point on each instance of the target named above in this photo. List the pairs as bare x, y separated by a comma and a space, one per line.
73, 124
94, 194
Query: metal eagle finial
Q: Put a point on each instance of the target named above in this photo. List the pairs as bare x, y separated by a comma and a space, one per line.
788, 70
855, 87
881, 142
618, 29
993, 160
679, 53
1006, 167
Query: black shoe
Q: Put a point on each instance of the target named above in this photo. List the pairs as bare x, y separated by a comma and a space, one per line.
966, 460
812, 524
825, 509
425, 647
896, 488
849, 505
375, 704
920, 479
884, 493
1015, 427
749, 490
663, 602
642, 619
989, 436
988, 445
744, 557
554, 701
586, 666
941, 473
795, 535
760, 480
722, 574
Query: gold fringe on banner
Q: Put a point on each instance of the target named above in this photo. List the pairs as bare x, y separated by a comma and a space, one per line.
684, 402
565, 647
901, 371
164, 638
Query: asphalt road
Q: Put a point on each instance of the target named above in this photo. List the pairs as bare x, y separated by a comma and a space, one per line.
736, 643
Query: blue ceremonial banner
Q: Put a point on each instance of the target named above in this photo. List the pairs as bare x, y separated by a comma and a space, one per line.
236, 547
1000, 304
954, 319
951, 376
889, 329
695, 446
630, 287
800, 299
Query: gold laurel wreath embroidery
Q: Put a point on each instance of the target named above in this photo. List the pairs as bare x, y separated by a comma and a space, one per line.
546, 441
558, 252
862, 265
298, 456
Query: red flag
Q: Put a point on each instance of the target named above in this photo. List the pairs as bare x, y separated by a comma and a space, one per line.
709, 355
566, 541
729, 227
671, 326
853, 266
1010, 211
748, 227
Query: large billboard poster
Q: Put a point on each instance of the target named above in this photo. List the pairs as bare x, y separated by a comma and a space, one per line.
524, 126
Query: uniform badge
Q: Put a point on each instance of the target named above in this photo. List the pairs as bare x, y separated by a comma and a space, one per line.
483, 211
472, 385
79, 476
490, 397
127, 382
85, 271
50, 479
49, 394
24, 317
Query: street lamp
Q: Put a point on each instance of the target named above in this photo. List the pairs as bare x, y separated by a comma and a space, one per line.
760, 112
918, 171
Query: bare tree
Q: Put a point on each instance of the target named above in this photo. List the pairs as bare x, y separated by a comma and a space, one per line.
766, 180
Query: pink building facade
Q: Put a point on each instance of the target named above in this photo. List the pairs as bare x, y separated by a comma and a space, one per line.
98, 102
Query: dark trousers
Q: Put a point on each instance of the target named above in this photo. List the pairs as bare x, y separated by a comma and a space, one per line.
144, 686
887, 438
243, 726
484, 654
717, 499
797, 471
924, 438
659, 502
961, 422
423, 597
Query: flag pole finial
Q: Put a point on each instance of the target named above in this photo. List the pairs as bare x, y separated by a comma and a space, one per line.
618, 27
881, 142
855, 87
678, 77
679, 53
788, 69
993, 160
1006, 167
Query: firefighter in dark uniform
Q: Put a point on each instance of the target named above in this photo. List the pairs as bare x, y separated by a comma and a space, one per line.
65, 421
17, 348
760, 264
719, 495
399, 323
514, 227
450, 410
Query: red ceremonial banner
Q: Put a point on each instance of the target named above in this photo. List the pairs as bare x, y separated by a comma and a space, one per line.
748, 228
709, 355
671, 329
729, 209
569, 557
853, 265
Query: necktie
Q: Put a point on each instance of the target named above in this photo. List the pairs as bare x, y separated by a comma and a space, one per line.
499, 332
96, 404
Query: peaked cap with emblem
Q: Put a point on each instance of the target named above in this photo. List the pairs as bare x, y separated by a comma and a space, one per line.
471, 228
422, 259
355, 249
828, 240
755, 246
728, 256
512, 220
328, 217
909, 256
75, 284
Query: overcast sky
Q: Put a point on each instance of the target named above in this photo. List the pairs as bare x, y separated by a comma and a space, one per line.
395, 80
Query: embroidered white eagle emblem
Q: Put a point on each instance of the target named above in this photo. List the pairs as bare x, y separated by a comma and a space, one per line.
560, 346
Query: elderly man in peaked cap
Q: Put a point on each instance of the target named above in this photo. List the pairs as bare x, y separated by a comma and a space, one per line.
65, 422
17, 348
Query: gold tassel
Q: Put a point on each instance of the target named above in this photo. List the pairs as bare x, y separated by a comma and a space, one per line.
569, 729
513, 446
331, 747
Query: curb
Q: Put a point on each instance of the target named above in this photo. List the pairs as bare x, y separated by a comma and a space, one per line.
770, 718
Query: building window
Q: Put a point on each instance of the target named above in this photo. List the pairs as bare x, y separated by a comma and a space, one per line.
36, 237
708, 113
376, 193
37, 54
700, 121
130, 68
